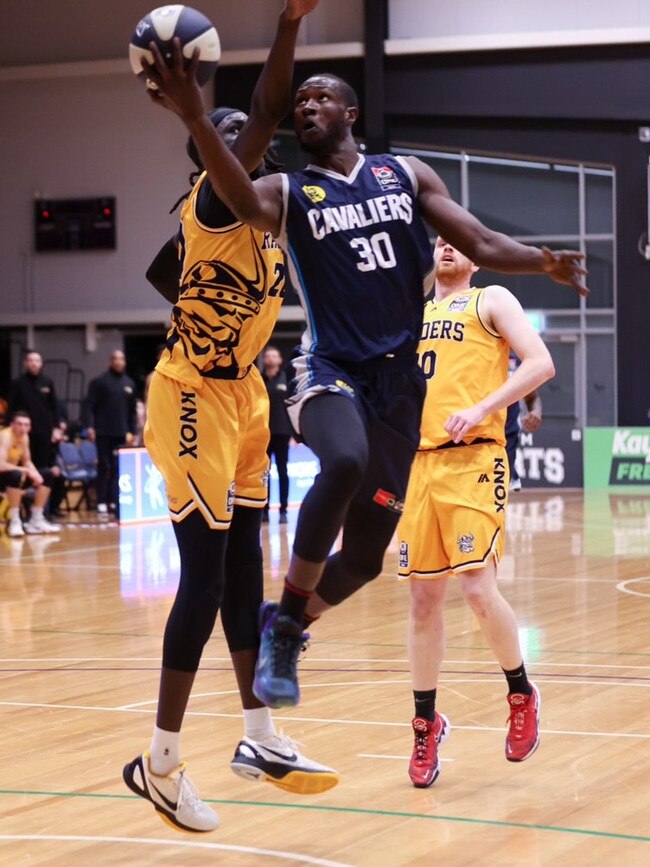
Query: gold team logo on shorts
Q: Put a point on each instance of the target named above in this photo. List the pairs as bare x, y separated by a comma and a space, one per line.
466, 543
342, 384
314, 194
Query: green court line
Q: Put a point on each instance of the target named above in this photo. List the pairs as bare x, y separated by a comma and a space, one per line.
359, 811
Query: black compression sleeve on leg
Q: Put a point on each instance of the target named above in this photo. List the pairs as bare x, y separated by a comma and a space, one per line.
200, 589
243, 591
367, 532
333, 428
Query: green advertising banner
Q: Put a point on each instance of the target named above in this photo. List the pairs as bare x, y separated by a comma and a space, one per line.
616, 457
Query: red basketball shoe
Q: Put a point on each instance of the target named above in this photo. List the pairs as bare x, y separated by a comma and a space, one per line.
424, 766
523, 733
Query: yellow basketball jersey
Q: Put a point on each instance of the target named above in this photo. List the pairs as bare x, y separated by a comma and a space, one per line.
231, 291
463, 361
16, 449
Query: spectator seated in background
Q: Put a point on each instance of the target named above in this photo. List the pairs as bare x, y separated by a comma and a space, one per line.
18, 472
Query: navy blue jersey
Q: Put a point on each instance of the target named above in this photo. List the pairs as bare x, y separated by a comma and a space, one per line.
359, 257
512, 416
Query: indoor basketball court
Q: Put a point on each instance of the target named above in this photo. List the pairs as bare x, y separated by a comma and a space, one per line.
538, 123
82, 617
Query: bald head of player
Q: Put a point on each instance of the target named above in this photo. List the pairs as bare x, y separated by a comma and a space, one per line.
325, 110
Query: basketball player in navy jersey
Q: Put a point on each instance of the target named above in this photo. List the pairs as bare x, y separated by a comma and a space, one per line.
353, 230
207, 432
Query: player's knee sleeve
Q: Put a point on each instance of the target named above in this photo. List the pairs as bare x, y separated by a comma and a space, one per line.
199, 595
12, 479
366, 536
243, 589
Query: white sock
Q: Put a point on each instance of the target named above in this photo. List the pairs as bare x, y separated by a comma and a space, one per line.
14, 514
164, 751
37, 513
258, 724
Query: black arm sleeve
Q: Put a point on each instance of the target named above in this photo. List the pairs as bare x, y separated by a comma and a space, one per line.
164, 273
210, 210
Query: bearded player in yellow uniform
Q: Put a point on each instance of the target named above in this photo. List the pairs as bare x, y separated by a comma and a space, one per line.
454, 513
207, 432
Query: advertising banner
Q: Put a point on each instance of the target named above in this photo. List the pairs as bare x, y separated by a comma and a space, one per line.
550, 458
617, 456
142, 489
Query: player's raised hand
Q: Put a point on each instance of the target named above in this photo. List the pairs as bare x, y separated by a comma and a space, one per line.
298, 8
566, 266
175, 87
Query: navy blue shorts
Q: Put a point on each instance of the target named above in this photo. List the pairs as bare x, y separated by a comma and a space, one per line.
389, 394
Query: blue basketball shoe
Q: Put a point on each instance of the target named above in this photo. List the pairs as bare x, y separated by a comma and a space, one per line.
281, 640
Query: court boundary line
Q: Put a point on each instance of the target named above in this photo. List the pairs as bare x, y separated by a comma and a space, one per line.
319, 720
186, 844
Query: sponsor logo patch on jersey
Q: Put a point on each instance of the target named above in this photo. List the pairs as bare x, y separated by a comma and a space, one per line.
459, 304
388, 501
314, 194
466, 543
344, 386
385, 177
403, 555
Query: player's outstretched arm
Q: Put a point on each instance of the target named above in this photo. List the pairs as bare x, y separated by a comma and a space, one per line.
272, 95
258, 204
485, 247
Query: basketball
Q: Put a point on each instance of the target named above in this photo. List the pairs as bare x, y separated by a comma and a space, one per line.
193, 30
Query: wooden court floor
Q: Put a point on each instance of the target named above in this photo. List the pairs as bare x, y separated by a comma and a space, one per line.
81, 619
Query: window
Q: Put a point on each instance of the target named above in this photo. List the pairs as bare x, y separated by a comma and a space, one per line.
559, 205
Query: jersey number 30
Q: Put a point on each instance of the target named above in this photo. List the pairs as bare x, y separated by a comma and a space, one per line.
376, 251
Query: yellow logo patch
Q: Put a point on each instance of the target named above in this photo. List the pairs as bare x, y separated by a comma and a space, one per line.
313, 193
344, 386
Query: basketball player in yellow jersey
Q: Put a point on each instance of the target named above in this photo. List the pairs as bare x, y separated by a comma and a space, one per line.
454, 513
207, 432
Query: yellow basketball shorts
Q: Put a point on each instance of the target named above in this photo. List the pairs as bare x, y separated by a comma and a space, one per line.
455, 511
210, 444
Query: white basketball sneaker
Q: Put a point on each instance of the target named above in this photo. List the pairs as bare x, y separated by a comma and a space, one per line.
277, 760
174, 796
41, 525
15, 528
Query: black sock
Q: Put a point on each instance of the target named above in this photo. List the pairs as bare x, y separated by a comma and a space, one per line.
294, 601
518, 681
425, 704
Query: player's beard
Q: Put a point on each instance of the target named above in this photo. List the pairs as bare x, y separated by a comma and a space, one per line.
328, 143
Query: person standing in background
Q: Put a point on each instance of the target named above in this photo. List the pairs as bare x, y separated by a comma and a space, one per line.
275, 380
112, 424
514, 423
34, 394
